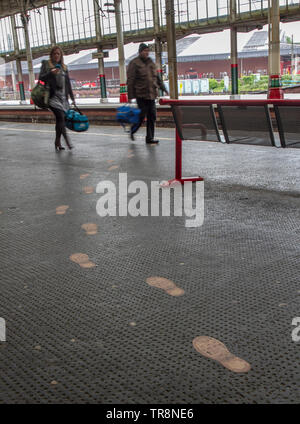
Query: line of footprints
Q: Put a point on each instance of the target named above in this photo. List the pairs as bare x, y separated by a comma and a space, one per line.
207, 346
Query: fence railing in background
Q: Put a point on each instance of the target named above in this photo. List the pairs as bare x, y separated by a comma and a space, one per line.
74, 20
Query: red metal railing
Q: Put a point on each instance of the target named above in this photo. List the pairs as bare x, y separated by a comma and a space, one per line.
257, 102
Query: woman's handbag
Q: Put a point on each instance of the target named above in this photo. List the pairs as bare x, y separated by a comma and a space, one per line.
40, 95
76, 121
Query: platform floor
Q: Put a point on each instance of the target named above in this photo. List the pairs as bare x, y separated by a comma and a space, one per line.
102, 334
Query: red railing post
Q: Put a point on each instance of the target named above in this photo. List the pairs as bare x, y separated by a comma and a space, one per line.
178, 165
178, 157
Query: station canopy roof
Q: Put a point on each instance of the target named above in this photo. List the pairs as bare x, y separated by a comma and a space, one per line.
11, 7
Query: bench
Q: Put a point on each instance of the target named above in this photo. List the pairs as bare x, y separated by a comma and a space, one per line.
274, 123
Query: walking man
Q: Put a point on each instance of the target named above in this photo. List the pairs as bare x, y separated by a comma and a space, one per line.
143, 82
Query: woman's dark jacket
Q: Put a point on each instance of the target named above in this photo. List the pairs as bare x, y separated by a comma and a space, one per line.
49, 77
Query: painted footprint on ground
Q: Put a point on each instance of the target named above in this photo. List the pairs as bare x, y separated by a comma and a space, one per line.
88, 189
83, 176
82, 260
61, 210
214, 349
111, 168
90, 228
167, 285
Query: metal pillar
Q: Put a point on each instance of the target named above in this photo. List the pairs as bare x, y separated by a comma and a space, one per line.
275, 87
51, 24
234, 52
18, 61
13, 77
171, 40
101, 72
10, 46
158, 44
292, 56
20, 78
120, 42
25, 19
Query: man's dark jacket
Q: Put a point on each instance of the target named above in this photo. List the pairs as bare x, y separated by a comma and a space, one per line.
143, 80
49, 77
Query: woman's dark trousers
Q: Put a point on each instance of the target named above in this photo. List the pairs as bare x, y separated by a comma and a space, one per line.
60, 126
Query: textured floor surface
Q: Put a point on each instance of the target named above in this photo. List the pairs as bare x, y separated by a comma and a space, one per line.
90, 328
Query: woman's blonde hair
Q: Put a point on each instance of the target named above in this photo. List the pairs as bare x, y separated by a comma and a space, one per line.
61, 58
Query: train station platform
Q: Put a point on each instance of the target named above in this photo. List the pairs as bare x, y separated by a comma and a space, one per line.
87, 318
98, 114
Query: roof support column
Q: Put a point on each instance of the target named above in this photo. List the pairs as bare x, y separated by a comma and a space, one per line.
172, 57
120, 42
158, 44
51, 24
101, 72
20, 80
10, 46
18, 61
234, 52
25, 20
275, 88
13, 77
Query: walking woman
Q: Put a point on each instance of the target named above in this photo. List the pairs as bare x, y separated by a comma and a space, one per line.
55, 73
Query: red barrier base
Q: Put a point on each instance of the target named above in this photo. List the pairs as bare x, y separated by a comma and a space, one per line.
275, 93
182, 180
275, 90
123, 98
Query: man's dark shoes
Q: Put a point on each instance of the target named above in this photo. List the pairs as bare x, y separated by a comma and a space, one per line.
131, 136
